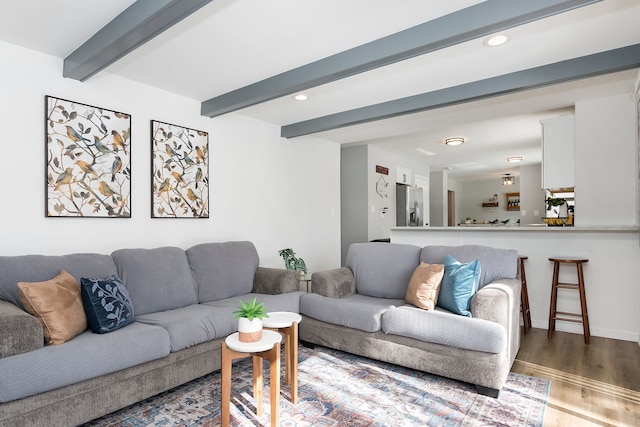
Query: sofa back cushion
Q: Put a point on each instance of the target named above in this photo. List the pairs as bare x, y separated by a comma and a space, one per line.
157, 279
223, 270
38, 268
494, 263
383, 270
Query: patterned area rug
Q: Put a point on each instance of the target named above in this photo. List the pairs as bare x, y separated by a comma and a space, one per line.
340, 389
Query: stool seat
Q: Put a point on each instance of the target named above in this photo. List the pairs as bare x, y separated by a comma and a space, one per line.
554, 314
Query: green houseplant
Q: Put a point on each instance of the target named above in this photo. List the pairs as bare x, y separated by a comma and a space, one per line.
250, 317
292, 262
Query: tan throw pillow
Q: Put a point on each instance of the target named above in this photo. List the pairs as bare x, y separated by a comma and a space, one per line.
424, 285
57, 304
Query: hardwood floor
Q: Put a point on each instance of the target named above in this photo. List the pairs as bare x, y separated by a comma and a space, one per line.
591, 385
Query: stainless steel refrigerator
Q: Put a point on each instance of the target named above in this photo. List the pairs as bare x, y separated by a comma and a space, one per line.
409, 206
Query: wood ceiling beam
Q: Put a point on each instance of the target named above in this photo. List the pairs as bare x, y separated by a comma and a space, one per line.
139, 23
466, 24
611, 61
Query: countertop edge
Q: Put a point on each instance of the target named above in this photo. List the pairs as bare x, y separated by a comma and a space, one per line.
540, 228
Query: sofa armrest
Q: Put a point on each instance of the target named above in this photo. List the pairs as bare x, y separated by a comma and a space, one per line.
336, 283
20, 332
275, 281
499, 302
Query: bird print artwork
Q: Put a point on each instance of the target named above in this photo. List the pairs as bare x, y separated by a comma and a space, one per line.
179, 174
88, 162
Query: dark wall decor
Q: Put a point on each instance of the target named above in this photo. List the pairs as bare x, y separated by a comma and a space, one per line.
180, 172
88, 152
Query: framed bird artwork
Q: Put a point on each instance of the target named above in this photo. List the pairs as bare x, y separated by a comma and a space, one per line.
180, 172
88, 168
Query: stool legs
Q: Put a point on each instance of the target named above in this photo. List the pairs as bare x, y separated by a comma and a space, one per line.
524, 297
583, 316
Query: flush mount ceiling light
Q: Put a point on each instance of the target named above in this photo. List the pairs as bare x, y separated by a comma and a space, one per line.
514, 159
454, 141
301, 97
507, 179
496, 40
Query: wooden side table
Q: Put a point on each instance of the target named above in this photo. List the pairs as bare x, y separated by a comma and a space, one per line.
268, 347
287, 323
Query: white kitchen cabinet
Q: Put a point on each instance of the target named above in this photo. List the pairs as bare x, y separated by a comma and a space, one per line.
559, 152
403, 175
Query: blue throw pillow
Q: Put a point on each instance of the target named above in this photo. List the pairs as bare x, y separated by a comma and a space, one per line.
106, 303
459, 284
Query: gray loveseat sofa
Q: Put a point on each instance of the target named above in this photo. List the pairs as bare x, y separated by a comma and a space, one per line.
361, 309
183, 303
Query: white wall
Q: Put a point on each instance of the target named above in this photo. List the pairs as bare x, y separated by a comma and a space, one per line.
262, 188
606, 161
473, 193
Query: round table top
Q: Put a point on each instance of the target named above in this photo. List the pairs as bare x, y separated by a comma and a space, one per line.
568, 259
269, 338
281, 319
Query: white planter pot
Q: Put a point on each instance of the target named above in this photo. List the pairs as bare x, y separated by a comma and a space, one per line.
249, 330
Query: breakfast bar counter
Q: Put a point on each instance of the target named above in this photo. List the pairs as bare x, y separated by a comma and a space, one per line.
611, 276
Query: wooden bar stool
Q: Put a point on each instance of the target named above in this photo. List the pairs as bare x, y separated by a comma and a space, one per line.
556, 284
524, 296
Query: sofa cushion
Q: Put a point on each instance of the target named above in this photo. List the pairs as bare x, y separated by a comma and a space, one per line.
56, 303
355, 311
157, 279
86, 356
106, 303
192, 325
223, 270
496, 263
383, 269
459, 284
38, 268
280, 302
440, 327
424, 285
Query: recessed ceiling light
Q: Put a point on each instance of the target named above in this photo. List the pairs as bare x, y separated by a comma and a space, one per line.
513, 159
454, 141
496, 40
301, 97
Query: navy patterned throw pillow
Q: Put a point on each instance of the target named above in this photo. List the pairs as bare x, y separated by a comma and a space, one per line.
106, 303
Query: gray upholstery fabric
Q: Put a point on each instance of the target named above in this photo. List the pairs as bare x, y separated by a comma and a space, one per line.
86, 356
20, 332
494, 263
442, 327
383, 269
275, 281
192, 325
475, 367
38, 268
223, 270
157, 279
283, 302
336, 283
355, 311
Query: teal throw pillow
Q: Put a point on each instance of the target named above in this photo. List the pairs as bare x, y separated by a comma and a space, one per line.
459, 284
106, 303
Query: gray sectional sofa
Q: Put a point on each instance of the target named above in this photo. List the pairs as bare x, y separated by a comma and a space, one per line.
183, 303
361, 309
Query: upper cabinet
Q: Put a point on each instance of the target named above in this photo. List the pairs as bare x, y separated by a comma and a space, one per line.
558, 152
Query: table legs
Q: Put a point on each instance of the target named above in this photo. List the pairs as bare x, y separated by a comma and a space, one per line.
273, 356
290, 358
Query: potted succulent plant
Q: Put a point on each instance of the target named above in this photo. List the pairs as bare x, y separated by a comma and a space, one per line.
292, 262
250, 317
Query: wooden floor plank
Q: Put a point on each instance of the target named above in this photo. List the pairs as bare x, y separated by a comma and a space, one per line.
591, 385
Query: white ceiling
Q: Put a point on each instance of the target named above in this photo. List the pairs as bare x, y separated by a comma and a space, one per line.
229, 44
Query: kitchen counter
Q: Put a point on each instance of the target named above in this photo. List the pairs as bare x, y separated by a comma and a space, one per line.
611, 275
526, 227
